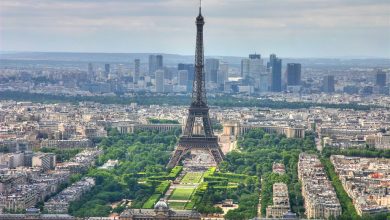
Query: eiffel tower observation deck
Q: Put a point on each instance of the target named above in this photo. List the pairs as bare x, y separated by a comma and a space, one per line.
192, 143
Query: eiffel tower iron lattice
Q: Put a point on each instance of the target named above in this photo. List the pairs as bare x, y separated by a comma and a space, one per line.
190, 140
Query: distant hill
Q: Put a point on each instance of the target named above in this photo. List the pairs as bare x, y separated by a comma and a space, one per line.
172, 59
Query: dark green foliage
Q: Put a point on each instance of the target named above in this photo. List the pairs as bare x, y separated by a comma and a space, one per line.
258, 151
222, 101
368, 152
346, 202
175, 172
142, 151
162, 121
266, 188
247, 207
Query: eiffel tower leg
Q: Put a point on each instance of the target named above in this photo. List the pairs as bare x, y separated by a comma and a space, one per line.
175, 158
217, 155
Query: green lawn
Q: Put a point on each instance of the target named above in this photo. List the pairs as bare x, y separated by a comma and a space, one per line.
181, 194
177, 205
149, 204
192, 177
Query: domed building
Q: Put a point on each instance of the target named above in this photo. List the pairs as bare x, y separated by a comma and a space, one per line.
161, 211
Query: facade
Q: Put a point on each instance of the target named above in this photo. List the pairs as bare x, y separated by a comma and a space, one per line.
366, 182
60, 203
182, 77
161, 211
293, 74
320, 199
67, 144
381, 78
328, 84
211, 69
276, 73
223, 73
281, 203
155, 63
137, 66
46, 161
237, 129
107, 70
191, 72
159, 75
245, 67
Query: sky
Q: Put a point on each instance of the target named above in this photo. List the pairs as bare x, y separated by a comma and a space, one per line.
288, 28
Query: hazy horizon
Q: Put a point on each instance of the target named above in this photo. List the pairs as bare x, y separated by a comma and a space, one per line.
292, 28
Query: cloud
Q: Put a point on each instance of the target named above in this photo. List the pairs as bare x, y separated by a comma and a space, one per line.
238, 21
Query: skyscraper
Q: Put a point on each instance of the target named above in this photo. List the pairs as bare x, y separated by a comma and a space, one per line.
155, 63
182, 77
222, 73
137, 64
91, 72
328, 84
255, 56
159, 76
275, 64
293, 74
191, 72
381, 78
245, 67
107, 70
255, 66
211, 69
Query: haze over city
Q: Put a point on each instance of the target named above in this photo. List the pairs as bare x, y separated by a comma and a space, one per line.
291, 28
174, 109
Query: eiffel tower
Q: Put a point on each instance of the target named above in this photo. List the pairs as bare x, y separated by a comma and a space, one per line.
198, 111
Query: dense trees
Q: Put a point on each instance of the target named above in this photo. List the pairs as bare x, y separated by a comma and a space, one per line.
142, 99
162, 121
258, 151
140, 154
346, 202
364, 152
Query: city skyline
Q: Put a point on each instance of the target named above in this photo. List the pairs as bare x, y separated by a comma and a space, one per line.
291, 28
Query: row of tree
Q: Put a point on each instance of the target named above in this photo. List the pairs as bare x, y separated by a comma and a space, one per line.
149, 99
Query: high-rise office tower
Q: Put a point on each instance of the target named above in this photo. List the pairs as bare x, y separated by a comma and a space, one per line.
107, 70
91, 72
137, 65
155, 63
223, 73
328, 84
272, 57
275, 65
182, 77
255, 56
159, 77
159, 61
245, 67
293, 74
191, 72
264, 82
255, 66
211, 69
381, 78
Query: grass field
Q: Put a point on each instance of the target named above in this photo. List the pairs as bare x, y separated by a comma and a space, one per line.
192, 177
149, 204
177, 205
181, 194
